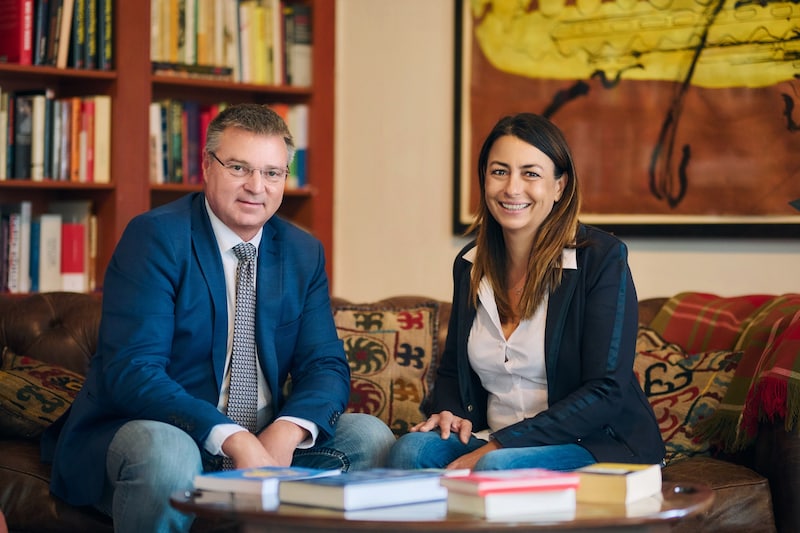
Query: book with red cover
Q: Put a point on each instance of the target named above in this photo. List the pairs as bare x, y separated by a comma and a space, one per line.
514, 480
73, 257
16, 31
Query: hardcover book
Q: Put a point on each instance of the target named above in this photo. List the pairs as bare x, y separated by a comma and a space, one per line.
618, 482
366, 489
16, 31
558, 504
521, 479
255, 482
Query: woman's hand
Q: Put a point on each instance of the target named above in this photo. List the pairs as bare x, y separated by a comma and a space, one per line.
447, 422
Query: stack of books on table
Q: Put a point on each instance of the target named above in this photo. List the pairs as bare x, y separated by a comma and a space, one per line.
517, 492
251, 487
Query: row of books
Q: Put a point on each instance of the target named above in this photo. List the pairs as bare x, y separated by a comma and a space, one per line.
250, 41
59, 139
47, 252
178, 134
495, 494
59, 33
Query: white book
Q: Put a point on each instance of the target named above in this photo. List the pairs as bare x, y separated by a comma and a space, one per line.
219, 33
277, 42
190, 33
232, 44
38, 102
55, 146
246, 10
24, 271
156, 145
49, 252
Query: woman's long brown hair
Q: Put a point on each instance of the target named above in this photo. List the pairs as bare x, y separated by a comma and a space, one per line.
558, 230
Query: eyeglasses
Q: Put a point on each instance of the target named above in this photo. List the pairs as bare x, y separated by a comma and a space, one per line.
237, 170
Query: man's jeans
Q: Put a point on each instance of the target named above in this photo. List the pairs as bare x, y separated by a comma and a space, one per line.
148, 461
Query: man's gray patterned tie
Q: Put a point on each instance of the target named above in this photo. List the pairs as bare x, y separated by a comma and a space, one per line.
243, 391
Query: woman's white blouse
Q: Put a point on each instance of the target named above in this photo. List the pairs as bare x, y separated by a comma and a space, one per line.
511, 370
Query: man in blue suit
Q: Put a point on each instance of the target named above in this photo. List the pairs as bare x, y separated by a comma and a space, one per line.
153, 412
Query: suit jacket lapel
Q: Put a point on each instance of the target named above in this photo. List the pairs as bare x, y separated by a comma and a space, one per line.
269, 287
210, 264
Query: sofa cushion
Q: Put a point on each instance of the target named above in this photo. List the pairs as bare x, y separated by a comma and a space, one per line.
391, 351
682, 388
742, 498
33, 394
702, 322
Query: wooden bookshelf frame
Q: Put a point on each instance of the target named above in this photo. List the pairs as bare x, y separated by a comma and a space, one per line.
132, 88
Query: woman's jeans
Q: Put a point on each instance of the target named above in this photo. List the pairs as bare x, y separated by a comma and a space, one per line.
429, 450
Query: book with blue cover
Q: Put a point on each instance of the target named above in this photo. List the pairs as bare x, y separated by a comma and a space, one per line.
259, 481
366, 489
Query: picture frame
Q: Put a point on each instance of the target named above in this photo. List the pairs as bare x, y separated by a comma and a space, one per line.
665, 157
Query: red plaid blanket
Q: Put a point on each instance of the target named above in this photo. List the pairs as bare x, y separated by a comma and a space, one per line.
766, 384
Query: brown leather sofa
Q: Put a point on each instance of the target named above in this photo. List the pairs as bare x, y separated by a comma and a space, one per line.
61, 328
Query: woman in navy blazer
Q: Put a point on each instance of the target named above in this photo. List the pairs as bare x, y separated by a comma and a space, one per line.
537, 369
152, 413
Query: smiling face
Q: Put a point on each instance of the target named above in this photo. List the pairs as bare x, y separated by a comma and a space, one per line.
521, 187
245, 204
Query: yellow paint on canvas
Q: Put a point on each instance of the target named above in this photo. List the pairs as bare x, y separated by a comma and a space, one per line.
746, 46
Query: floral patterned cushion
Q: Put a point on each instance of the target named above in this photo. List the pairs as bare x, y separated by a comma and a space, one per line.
33, 394
683, 389
391, 352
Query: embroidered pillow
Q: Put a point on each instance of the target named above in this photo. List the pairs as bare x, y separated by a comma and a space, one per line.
33, 394
391, 352
683, 389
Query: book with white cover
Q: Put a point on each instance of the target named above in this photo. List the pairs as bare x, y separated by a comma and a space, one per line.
559, 504
365, 489
49, 252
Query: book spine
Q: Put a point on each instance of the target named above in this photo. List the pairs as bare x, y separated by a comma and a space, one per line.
87, 139
26, 47
73, 247
33, 271
65, 35
12, 272
38, 134
74, 139
192, 152
90, 48
56, 8
79, 34
49, 267
105, 35
23, 132
102, 138
50, 138
175, 117
11, 104
156, 145
3, 134
40, 31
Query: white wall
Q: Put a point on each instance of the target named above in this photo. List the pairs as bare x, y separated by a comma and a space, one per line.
393, 173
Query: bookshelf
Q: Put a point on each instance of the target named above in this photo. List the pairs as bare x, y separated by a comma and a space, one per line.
132, 87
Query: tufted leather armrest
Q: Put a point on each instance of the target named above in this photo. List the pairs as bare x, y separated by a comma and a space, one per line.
56, 327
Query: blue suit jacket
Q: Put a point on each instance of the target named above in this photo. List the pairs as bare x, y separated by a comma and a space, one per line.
163, 340
594, 397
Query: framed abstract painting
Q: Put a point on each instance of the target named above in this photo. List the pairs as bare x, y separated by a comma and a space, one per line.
683, 117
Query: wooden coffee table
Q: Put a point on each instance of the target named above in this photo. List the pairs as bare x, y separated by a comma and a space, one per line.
679, 502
